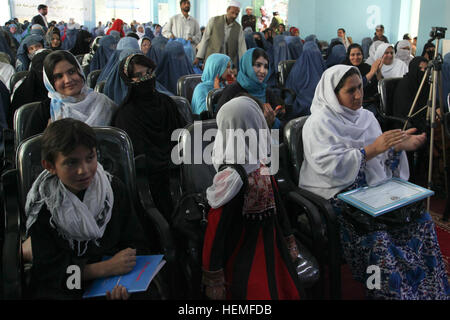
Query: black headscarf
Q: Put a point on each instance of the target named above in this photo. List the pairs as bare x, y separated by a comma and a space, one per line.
406, 92
82, 46
32, 88
49, 37
148, 116
426, 47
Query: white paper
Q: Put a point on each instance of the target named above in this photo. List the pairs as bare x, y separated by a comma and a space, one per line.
385, 194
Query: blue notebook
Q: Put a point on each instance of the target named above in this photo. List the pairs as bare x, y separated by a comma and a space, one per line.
136, 280
386, 197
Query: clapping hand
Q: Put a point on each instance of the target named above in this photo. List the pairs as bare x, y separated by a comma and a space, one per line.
411, 142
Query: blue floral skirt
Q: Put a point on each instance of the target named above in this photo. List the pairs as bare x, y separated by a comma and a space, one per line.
409, 260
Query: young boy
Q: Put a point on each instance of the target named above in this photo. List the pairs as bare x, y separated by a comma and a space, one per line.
76, 214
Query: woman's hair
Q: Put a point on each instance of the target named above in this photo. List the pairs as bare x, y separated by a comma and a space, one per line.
348, 74
57, 56
64, 136
142, 60
353, 46
258, 52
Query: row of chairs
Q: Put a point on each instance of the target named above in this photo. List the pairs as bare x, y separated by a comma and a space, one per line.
116, 155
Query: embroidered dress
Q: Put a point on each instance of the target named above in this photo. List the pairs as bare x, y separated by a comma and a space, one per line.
245, 238
409, 257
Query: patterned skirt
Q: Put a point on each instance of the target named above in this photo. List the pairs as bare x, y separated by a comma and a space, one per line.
409, 260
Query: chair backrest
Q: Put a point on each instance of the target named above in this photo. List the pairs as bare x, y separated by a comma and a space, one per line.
196, 174
186, 85
386, 89
80, 58
92, 77
184, 108
293, 138
16, 77
114, 149
21, 116
100, 86
284, 68
86, 69
211, 100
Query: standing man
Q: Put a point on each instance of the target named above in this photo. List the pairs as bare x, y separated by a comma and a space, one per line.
379, 34
347, 41
249, 20
265, 20
183, 25
40, 18
223, 35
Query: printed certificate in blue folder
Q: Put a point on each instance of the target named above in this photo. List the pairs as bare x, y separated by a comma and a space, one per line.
386, 197
136, 280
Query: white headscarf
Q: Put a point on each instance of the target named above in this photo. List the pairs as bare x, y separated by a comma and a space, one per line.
396, 69
332, 138
239, 113
372, 50
93, 108
404, 54
140, 34
75, 220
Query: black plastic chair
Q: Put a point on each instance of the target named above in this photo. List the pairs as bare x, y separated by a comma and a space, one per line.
16, 77
386, 90
184, 108
186, 85
100, 86
115, 153
320, 233
211, 101
20, 119
284, 68
92, 77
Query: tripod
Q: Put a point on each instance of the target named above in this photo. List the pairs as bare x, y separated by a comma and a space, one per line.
434, 77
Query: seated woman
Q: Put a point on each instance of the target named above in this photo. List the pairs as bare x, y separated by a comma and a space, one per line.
106, 48
77, 213
153, 53
32, 88
69, 96
370, 75
81, 46
149, 117
303, 79
403, 51
173, 65
26, 51
428, 51
345, 149
252, 78
372, 51
215, 72
337, 55
390, 66
53, 38
248, 249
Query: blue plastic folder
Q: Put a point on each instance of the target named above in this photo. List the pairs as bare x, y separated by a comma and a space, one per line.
386, 197
136, 280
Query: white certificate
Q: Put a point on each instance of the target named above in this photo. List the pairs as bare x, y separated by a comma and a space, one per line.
385, 197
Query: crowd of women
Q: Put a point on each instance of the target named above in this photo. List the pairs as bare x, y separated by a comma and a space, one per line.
249, 247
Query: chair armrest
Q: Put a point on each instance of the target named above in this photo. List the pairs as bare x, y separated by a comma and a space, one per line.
151, 214
318, 229
333, 241
12, 266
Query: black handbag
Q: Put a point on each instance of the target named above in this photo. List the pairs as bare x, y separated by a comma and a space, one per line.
365, 223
